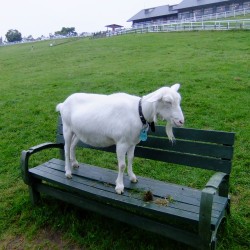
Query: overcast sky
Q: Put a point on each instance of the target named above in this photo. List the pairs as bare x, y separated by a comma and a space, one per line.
41, 17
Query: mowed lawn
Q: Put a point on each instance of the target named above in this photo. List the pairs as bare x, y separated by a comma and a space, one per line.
214, 71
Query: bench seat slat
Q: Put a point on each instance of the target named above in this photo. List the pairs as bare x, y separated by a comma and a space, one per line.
94, 187
110, 197
158, 188
123, 216
181, 201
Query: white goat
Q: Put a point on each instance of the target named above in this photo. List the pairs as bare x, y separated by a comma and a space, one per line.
105, 120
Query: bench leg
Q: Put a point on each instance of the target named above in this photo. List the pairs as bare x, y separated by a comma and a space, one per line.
34, 195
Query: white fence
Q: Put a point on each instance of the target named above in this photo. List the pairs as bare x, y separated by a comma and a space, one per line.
215, 16
243, 24
220, 15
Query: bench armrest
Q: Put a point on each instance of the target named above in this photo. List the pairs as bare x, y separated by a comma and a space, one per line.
218, 184
27, 153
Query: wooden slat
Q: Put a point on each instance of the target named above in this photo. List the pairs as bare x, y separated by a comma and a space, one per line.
159, 188
212, 150
181, 157
122, 201
212, 136
185, 159
123, 216
180, 209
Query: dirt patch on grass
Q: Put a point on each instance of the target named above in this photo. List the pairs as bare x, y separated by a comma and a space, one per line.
45, 239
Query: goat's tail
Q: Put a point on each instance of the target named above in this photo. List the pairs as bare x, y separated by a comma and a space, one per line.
59, 107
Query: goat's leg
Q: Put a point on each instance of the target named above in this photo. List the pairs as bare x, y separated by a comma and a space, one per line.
67, 133
74, 162
130, 156
121, 152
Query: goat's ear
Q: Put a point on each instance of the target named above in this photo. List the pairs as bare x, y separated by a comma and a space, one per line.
167, 98
154, 97
175, 87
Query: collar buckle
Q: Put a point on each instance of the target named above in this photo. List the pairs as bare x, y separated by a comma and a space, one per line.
143, 120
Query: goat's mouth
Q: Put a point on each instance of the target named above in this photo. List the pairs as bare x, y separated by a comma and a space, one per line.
177, 123
173, 122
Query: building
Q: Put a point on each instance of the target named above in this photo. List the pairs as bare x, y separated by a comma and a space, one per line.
156, 14
187, 9
195, 8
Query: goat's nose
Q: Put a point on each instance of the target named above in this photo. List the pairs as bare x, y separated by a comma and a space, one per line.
181, 122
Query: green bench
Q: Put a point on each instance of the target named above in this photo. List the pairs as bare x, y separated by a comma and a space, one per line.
188, 215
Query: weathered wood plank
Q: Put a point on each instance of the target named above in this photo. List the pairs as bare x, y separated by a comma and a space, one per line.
124, 202
158, 188
220, 137
181, 158
189, 147
190, 210
185, 159
124, 216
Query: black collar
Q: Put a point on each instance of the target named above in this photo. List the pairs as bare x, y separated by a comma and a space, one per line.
143, 120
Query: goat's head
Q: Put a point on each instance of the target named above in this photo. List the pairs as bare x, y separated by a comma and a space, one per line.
167, 105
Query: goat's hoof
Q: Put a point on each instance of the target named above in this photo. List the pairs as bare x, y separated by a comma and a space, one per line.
133, 178
119, 189
75, 164
68, 175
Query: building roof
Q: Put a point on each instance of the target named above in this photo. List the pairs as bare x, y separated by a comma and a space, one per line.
113, 26
193, 3
153, 12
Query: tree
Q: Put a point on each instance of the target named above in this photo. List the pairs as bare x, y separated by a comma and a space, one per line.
66, 32
13, 36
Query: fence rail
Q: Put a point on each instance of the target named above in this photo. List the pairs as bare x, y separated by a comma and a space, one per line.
187, 26
195, 18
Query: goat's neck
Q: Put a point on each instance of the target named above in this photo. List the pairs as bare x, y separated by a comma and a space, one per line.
149, 111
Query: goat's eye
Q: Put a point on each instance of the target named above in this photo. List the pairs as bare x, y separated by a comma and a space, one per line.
168, 103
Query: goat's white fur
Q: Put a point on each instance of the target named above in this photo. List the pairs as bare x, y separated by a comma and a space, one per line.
105, 120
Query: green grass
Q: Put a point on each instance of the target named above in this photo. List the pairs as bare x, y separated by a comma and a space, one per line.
213, 68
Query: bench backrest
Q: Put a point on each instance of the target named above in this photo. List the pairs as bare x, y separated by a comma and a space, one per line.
205, 149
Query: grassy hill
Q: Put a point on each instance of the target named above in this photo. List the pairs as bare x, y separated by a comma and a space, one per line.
213, 68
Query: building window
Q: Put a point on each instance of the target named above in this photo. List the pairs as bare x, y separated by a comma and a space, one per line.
246, 5
221, 9
198, 12
185, 15
234, 6
208, 11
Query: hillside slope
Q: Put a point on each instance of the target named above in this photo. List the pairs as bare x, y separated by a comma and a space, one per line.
213, 69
